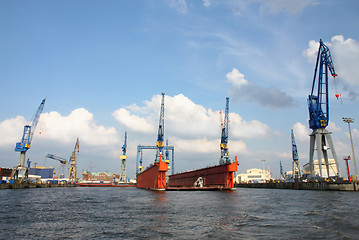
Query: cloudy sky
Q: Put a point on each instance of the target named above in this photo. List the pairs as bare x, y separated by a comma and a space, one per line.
103, 65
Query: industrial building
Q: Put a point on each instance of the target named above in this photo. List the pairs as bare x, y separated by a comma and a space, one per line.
105, 177
254, 175
333, 169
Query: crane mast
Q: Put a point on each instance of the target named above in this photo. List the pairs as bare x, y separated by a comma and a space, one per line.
318, 101
123, 175
73, 161
296, 170
160, 135
25, 144
224, 136
318, 106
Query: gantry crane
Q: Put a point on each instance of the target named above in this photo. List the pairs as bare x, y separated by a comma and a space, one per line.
25, 144
224, 136
318, 106
161, 128
296, 170
123, 175
73, 161
63, 162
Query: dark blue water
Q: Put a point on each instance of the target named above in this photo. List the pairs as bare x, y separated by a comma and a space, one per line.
130, 213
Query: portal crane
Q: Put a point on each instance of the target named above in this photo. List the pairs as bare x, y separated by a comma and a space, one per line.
296, 170
25, 144
318, 106
123, 175
224, 136
63, 162
73, 161
161, 128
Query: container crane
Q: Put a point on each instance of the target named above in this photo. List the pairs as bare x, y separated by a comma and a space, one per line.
296, 170
25, 144
224, 136
123, 175
73, 161
318, 106
161, 127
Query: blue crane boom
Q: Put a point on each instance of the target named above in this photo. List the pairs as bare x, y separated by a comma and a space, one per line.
294, 148
161, 126
25, 144
318, 102
29, 130
60, 159
224, 136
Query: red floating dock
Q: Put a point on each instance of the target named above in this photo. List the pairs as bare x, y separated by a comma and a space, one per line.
211, 178
153, 178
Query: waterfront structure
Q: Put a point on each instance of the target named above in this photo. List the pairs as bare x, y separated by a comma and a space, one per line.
105, 177
332, 168
254, 175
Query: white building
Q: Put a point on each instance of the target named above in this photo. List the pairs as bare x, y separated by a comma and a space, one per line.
254, 175
333, 168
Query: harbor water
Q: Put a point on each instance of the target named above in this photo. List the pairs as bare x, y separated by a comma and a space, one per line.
131, 213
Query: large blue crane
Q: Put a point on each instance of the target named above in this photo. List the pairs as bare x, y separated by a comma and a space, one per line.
318, 106
318, 103
25, 144
224, 136
161, 128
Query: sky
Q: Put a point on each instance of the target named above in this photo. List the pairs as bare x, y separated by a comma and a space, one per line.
103, 65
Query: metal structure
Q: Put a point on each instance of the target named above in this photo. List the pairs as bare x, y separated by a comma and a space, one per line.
123, 175
139, 162
73, 161
25, 144
318, 106
296, 170
349, 121
161, 129
346, 159
61, 160
224, 136
281, 170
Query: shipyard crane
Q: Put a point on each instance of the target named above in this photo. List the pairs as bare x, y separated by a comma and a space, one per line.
161, 128
296, 170
281, 170
123, 175
73, 161
224, 136
61, 160
25, 144
318, 106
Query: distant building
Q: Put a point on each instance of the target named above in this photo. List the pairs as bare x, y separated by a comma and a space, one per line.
5, 173
44, 173
333, 169
254, 175
105, 177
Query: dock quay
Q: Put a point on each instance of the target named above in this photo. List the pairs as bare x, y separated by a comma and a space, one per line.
33, 185
324, 186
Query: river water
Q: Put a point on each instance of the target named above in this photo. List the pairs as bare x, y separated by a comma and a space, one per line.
130, 213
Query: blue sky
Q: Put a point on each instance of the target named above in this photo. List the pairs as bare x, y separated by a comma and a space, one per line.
103, 64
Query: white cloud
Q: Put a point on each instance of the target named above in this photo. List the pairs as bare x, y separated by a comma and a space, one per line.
345, 55
301, 132
133, 122
180, 6
79, 123
11, 131
290, 6
268, 97
206, 3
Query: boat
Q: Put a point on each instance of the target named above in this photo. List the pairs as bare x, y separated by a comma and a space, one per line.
154, 177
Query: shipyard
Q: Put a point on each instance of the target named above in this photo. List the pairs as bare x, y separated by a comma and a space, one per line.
179, 119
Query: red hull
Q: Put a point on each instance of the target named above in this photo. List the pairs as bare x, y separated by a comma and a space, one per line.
217, 177
103, 185
154, 177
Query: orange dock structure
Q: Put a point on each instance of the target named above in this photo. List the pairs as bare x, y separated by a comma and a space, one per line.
154, 177
218, 177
